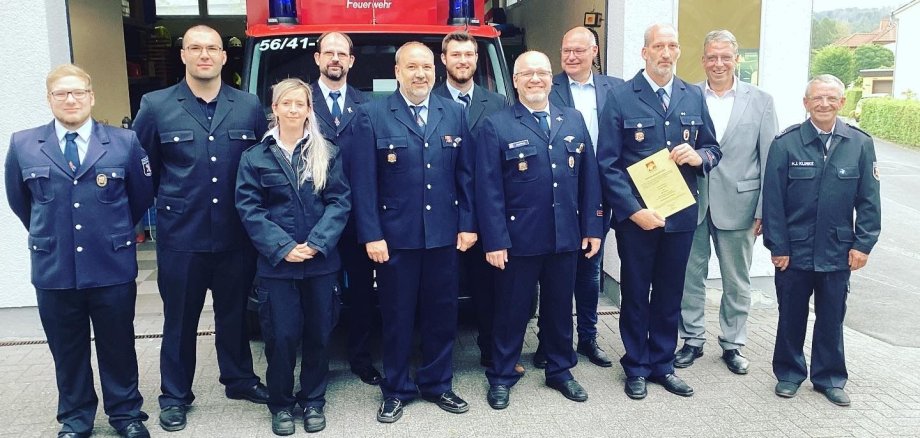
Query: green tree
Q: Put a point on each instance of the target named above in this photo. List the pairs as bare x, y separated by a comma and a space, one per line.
835, 60
825, 31
872, 56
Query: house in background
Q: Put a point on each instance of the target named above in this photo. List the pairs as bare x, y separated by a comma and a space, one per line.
886, 35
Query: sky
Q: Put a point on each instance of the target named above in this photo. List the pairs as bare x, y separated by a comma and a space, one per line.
826, 5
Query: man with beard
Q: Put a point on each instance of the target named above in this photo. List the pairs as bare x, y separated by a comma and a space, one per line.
577, 87
195, 133
653, 110
539, 206
460, 55
334, 58
412, 165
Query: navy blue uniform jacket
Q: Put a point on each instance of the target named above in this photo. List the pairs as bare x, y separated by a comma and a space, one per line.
278, 214
561, 94
633, 125
482, 103
81, 223
536, 195
353, 98
194, 164
411, 188
808, 203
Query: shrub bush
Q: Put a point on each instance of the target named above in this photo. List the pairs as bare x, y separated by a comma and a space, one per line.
895, 120
853, 95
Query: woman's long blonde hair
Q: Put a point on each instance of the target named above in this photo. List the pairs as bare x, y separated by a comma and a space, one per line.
316, 151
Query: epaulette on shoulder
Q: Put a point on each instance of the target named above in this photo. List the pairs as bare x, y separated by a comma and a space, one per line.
789, 129
859, 129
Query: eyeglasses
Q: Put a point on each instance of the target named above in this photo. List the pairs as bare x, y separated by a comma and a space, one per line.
61, 95
542, 74
578, 52
833, 100
197, 50
712, 59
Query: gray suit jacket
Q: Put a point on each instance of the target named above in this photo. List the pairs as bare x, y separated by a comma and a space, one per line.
732, 191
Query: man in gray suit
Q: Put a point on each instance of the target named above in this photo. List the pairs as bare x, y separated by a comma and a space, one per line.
730, 204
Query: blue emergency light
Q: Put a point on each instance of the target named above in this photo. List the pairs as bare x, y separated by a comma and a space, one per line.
282, 11
461, 12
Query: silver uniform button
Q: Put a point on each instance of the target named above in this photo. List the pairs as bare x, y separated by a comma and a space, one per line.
669, 142
555, 185
667, 123
384, 207
168, 208
76, 205
550, 146
214, 200
35, 247
244, 136
456, 202
74, 182
638, 125
426, 144
33, 174
427, 207
114, 175
214, 179
213, 158
128, 242
512, 218
428, 165
429, 186
78, 227
554, 165
210, 138
79, 249
175, 138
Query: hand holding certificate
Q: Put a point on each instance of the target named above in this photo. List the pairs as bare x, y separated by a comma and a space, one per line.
661, 184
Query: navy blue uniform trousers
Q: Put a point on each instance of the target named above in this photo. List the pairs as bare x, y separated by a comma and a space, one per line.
793, 291
514, 297
418, 283
297, 314
479, 279
363, 318
184, 279
66, 317
648, 318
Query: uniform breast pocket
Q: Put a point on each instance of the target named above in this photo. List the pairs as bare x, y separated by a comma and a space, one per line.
637, 133
450, 148
574, 153
241, 139
110, 184
392, 154
690, 128
802, 173
520, 162
277, 187
176, 147
848, 173
38, 179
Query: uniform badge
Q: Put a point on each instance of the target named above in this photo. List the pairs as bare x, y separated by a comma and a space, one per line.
145, 163
686, 134
337, 121
559, 118
457, 141
448, 139
568, 138
101, 180
522, 165
571, 162
640, 136
349, 110
581, 148
875, 171
391, 157
696, 136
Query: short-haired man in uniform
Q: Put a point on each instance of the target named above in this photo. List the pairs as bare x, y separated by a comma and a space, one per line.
653, 110
79, 187
335, 57
195, 132
821, 218
460, 55
578, 87
412, 164
730, 204
539, 208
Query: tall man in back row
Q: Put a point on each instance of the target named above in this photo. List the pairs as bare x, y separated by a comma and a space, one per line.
195, 133
653, 110
730, 204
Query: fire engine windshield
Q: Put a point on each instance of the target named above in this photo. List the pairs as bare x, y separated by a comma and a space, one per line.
275, 58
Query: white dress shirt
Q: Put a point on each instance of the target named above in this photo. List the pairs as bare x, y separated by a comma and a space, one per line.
82, 140
720, 107
584, 96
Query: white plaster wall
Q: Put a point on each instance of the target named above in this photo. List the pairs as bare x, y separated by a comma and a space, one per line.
34, 38
626, 24
785, 35
906, 61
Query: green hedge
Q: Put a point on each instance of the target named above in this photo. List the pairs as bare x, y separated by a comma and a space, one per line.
853, 95
895, 120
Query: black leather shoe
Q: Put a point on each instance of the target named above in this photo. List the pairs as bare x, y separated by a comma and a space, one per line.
314, 420
283, 423
135, 429
172, 418
74, 434
786, 389
635, 387
258, 394
673, 384
836, 396
539, 359
368, 375
450, 402
686, 355
498, 396
736, 361
390, 411
570, 389
593, 352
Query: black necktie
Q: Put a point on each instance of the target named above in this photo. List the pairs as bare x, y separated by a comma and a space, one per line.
417, 111
70, 151
542, 119
466, 101
824, 141
662, 96
336, 109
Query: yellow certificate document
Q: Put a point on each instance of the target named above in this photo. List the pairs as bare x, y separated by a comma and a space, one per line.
660, 184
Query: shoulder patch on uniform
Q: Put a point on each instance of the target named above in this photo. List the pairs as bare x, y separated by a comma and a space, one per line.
145, 163
875, 171
789, 129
